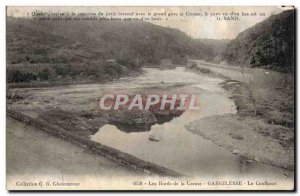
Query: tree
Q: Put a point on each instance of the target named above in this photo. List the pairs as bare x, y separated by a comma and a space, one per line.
240, 56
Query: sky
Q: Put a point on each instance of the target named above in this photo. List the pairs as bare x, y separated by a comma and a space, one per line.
193, 21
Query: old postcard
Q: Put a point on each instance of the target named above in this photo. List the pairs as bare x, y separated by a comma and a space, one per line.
150, 98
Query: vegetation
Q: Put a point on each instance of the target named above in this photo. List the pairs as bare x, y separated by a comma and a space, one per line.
216, 46
269, 44
88, 48
45, 50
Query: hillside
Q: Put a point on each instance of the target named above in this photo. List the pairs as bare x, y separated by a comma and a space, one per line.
217, 46
269, 44
84, 47
48, 42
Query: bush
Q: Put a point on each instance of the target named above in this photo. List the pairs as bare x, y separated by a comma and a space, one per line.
17, 76
62, 70
44, 74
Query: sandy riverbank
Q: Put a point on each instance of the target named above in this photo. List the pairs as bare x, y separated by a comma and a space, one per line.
265, 137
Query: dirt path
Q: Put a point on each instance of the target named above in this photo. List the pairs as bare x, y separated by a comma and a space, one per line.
36, 154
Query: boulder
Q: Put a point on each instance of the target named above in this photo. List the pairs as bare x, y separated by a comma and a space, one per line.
154, 138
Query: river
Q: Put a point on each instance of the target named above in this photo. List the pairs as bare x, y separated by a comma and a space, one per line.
177, 148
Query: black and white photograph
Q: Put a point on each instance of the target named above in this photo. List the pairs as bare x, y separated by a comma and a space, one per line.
150, 98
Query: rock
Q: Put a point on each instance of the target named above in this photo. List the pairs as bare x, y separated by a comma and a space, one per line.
286, 174
155, 138
249, 161
13, 94
237, 137
235, 151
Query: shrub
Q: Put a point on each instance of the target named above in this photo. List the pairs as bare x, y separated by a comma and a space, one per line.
44, 74
17, 76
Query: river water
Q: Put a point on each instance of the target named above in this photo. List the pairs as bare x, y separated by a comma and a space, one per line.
177, 148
